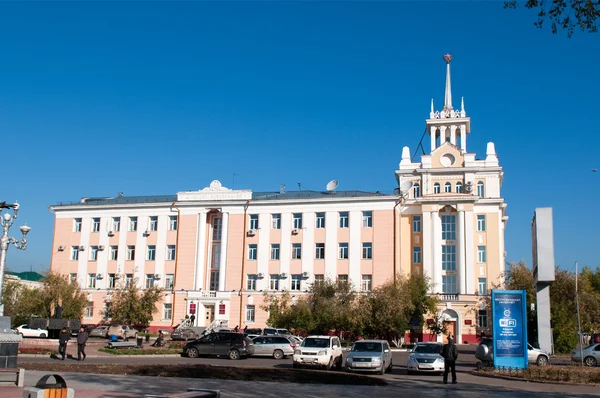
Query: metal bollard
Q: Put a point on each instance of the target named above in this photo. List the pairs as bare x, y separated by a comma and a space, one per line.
45, 390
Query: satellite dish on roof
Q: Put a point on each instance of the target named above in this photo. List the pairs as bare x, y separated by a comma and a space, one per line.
332, 185
405, 187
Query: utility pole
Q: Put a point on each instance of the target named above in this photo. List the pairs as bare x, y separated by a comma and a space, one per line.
578, 316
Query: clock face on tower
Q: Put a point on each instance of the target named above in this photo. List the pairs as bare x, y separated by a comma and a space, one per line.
447, 160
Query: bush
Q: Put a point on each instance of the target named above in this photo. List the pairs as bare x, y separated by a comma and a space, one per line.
562, 374
37, 351
135, 351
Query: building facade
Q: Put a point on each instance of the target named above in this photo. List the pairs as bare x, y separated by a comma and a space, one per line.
216, 251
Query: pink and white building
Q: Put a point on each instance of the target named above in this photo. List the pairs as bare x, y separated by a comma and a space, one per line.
216, 251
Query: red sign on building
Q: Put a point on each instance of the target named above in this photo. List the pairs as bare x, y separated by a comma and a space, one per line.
192, 308
221, 309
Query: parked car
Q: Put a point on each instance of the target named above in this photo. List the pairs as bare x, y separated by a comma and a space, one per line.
485, 353
26, 331
269, 331
370, 356
323, 351
184, 334
232, 345
591, 354
119, 331
100, 331
277, 347
425, 357
252, 332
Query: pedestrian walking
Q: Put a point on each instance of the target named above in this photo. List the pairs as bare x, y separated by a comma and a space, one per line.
192, 319
63, 338
450, 354
82, 338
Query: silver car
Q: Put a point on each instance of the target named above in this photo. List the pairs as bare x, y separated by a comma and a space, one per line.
370, 356
591, 354
277, 347
425, 357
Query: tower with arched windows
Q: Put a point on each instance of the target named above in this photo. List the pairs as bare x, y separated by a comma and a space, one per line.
452, 223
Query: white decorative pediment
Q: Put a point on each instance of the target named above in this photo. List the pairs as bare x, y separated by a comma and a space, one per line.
215, 191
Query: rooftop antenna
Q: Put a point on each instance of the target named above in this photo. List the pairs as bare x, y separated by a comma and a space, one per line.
281, 188
299, 187
332, 185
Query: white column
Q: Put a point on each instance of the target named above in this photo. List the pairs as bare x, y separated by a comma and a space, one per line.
443, 134
82, 269
308, 247
436, 227
331, 244
200, 251
355, 248
453, 134
432, 132
427, 238
460, 248
141, 249
463, 138
263, 250
470, 253
223, 259
285, 250
161, 248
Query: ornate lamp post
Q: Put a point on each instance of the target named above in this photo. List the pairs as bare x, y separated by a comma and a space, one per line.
6, 221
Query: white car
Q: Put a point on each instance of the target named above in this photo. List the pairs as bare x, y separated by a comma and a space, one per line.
25, 331
425, 357
319, 351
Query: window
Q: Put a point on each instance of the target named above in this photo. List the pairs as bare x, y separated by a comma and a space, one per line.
296, 282
114, 252
132, 224
297, 220
417, 224
217, 223
320, 220
77, 225
276, 221
417, 255
343, 278
297, 251
274, 282
151, 253
112, 281
275, 251
481, 222
367, 250
116, 224
343, 251
320, 251
448, 227
170, 252
153, 224
449, 284
343, 219
251, 282
167, 311
449, 257
319, 278
128, 279
417, 190
89, 310
73, 277
366, 283
95, 224
436, 187
367, 219
481, 255
480, 189
252, 250
93, 253
149, 281
75, 253
169, 281
91, 281
250, 312
459, 187
447, 187
130, 253
172, 223
253, 221
482, 318
482, 287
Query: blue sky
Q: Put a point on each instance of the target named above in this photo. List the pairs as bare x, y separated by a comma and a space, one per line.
154, 98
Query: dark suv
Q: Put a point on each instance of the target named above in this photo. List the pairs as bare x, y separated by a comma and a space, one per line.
233, 345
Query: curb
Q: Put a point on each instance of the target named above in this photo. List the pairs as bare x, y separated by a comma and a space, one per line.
107, 356
502, 377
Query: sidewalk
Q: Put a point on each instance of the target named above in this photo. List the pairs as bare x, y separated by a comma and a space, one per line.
92, 349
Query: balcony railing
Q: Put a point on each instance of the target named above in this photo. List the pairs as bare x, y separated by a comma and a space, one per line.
448, 297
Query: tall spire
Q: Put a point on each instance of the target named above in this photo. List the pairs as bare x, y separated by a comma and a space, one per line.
448, 93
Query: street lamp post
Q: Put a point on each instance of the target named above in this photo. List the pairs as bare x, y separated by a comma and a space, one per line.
6, 221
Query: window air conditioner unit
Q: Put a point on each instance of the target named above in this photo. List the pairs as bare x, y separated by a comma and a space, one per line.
295, 231
157, 276
101, 247
81, 248
147, 232
305, 274
283, 275
111, 233
251, 232
260, 275
61, 248
99, 276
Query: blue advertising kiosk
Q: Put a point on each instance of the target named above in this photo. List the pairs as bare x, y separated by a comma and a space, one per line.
509, 314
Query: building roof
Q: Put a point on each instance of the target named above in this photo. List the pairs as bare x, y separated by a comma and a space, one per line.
28, 276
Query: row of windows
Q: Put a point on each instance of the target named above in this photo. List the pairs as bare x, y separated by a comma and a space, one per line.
343, 220
276, 281
130, 254
449, 285
111, 281
458, 188
449, 256
416, 224
132, 224
366, 249
167, 312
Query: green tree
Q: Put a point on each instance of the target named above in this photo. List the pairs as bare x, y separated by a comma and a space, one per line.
130, 306
564, 14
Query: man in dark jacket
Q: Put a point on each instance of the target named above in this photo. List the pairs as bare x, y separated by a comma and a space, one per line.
450, 354
82, 337
63, 338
